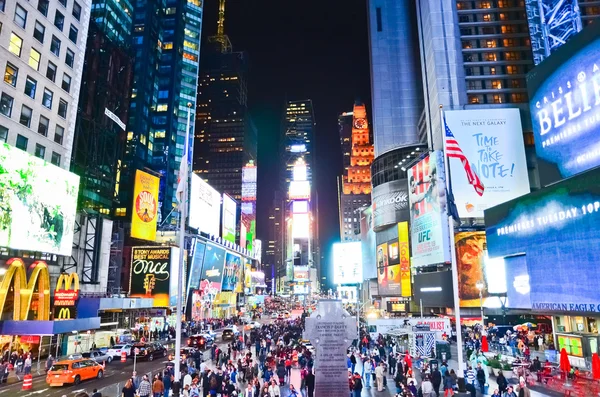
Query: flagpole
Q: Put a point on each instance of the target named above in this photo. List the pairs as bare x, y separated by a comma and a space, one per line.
182, 216
459, 343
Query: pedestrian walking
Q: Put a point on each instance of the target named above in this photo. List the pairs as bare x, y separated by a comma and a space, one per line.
158, 387
310, 383
379, 375
145, 388
427, 387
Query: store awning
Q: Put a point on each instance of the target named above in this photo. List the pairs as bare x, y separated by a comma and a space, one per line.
34, 327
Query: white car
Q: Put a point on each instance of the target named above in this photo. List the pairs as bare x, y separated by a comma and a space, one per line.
116, 350
274, 316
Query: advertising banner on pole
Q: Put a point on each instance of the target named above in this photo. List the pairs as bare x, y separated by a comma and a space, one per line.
492, 140
429, 222
404, 251
145, 206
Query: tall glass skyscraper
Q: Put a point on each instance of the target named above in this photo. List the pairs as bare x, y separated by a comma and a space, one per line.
166, 46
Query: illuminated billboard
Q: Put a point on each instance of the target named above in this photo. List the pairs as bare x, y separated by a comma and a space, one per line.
549, 241
300, 207
428, 219
300, 226
347, 263
145, 206
212, 272
38, 203
299, 190
301, 289
563, 92
299, 172
154, 272
301, 274
205, 207
492, 140
233, 263
249, 175
404, 259
229, 218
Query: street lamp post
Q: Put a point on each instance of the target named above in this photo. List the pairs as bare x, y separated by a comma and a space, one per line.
480, 286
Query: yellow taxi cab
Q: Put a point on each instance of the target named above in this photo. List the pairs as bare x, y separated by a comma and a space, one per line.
73, 371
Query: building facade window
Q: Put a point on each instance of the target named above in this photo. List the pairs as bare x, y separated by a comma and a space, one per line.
34, 59
59, 132
76, 10
15, 45
59, 20
43, 126
11, 73
30, 87
22, 142
73, 32
26, 114
55, 159
6, 104
70, 58
62, 108
3, 133
43, 7
47, 98
38, 31
66, 82
20, 16
55, 46
51, 71
40, 151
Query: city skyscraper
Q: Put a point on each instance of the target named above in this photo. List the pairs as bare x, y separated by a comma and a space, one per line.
166, 46
103, 110
396, 88
42, 47
226, 138
297, 139
355, 187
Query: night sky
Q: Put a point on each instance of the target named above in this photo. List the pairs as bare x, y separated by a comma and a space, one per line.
311, 49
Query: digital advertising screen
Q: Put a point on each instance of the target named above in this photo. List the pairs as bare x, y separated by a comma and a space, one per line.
299, 190
492, 140
388, 273
300, 226
347, 263
39, 203
151, 273
229, 218
233, 263
205, 207
428, 214
214, 262
563, 92
556, 230
404, 253
475, 266
301, 274
195, 272
145, 206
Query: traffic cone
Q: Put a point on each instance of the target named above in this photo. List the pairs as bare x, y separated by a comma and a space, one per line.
27, 382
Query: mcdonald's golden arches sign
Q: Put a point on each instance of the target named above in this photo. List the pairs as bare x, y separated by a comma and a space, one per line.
14, 284
67, 290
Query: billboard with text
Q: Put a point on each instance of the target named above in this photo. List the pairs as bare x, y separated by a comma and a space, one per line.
428, 213
152, 273
563, 92
205, 207
492, 140
145, 206
556, 231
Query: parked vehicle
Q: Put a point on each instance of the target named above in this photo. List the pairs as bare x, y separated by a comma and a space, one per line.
116, 350
73, 372
148, 351
98, 355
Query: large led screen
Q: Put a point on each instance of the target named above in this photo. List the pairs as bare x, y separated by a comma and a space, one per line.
434, 289
205, 207
564, 94
492, 140
368, 244
390, 203
428, 219
347, 263
38, 202
153, 273
231, 272
144, 216
214, 262
229, 218
558, 231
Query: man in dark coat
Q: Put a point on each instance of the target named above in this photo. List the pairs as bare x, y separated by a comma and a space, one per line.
310, 383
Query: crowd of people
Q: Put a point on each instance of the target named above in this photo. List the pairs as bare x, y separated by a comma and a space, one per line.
259, 365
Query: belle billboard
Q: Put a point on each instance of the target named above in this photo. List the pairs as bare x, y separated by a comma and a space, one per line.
554, 232
229, 218
38, 203
145, 206
492, 140
429, 222
564, 101
347, 263
205, 207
